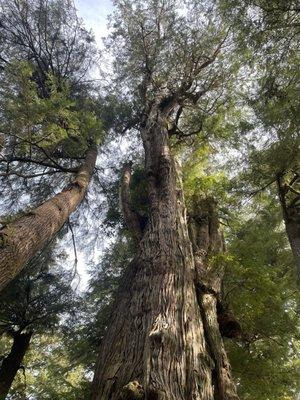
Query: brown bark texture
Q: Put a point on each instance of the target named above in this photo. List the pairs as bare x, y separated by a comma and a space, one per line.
155, 346
12, 363
21, 239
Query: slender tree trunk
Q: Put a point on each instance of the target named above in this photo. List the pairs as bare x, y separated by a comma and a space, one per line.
11, 364
293, 233
155, 346
291, 215
23, 238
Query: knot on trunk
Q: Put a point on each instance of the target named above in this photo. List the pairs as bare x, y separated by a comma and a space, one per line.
78, 184
228, 325
160, 331
132, 391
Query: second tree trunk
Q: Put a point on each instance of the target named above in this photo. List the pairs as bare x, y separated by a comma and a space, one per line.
12, 363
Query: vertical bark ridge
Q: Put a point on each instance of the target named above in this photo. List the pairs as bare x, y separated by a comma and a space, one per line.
21, 239
12, 363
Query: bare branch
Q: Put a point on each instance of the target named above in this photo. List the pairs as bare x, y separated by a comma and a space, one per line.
11, 159
20, 175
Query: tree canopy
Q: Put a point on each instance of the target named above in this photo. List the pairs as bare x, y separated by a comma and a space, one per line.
177, 171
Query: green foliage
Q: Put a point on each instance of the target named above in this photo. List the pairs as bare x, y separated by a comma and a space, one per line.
139, 197
38, 298
51, 36
270, 126
49, 372
39, 301
31, 121
84, 332
105, 282
139, 192
199, 177
159, 48
32, 118
260, 287
156, 47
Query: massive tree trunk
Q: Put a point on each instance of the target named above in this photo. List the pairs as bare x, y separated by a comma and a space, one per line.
289, 197
155, 346
12, 363
21, 239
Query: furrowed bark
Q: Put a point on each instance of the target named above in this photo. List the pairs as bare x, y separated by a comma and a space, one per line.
21, 239
155, 346
207, 241
12, 363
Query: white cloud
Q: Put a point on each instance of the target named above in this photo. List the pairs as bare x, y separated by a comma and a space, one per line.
94, 14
